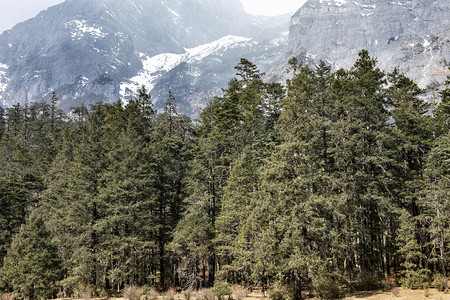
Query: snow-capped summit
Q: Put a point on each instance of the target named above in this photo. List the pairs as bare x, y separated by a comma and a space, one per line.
90, 50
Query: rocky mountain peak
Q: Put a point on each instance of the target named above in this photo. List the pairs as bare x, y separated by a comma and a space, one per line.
84, 49
411, 34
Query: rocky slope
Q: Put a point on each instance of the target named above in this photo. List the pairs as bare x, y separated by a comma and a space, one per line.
412, 34
89, 50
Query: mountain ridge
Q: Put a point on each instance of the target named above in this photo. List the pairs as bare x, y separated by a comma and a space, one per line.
103, 50
413, 35
86, 50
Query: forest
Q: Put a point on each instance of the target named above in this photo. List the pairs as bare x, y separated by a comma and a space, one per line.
336, 181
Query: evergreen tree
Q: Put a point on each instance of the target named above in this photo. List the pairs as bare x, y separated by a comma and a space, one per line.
73, 204
192, 246
2, 122
442, 112
31, 266
435, 205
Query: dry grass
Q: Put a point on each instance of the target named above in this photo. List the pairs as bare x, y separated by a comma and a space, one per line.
402, 294
6, 296
170, 294
132, 292
205, 294
84, 292
396, 293
151, 294
239, 292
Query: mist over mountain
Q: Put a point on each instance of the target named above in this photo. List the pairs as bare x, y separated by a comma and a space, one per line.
88, 51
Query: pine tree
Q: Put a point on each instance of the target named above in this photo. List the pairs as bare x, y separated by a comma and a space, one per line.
170, 109
414, 275
73, 205
2, 122
192, 246
31, 266
435, 204
54, 102
442, 112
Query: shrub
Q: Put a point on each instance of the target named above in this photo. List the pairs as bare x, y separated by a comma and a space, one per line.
415, 279
328, 289
205, 294
276, 295
84, 292
150, 293
132, 292
441, 283
388, 283
239, 292
368, 281
221, 288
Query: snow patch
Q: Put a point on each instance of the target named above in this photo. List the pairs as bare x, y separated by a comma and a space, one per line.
3, 80
365, 5
334, 2
79, 29
174, 13
156, 66
138, 8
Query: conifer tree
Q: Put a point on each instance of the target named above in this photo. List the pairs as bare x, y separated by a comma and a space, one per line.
435, 204
31, 266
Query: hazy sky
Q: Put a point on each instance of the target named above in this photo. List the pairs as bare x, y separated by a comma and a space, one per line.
271, 7
15, 11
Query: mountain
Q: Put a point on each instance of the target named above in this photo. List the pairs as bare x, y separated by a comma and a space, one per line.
414, 35
89, 50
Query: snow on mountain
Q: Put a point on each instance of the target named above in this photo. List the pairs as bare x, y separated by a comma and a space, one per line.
85, 50
78, 29
413, 35
3, 81
156, 66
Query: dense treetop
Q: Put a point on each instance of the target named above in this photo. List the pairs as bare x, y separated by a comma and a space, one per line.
338, 181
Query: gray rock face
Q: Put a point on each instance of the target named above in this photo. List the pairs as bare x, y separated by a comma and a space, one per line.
85, 49
91, 50
412, 34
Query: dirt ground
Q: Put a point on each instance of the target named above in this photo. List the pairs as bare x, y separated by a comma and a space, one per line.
395, 294
402, 294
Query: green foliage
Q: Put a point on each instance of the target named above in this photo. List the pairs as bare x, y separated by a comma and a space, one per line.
276, 295
31, 266
221, 289
441, 283
331, 184
192, 244
328, 289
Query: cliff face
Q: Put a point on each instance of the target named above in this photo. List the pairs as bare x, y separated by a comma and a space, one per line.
85, 49
91, 50
414, 35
